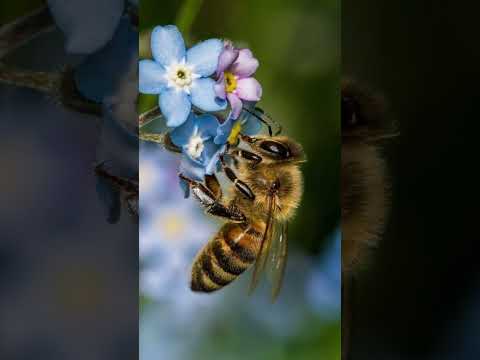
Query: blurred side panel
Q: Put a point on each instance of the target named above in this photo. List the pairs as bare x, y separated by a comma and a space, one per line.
419, 292
69, 160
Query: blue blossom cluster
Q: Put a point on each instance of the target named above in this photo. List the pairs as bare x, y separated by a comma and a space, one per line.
201, 94
105, 43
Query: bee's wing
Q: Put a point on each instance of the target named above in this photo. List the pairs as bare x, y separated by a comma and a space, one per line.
265, 245
278, 258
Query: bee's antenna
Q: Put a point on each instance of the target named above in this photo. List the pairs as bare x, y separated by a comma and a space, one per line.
262, 119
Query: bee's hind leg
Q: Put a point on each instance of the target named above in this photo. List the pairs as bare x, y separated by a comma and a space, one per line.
212, 203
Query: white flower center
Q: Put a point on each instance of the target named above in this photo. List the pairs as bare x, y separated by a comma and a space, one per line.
180, 76
195, 146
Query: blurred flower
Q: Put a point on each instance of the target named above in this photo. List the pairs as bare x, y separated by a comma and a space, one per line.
122, 104
87, 24
235, 81
117, 153
102, 73
246, 124
180, 77
158, 175
323, 288
172, 230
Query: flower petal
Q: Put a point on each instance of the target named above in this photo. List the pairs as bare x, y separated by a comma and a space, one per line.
245, 65
219, 88
251, 125
235, 104
203, 95
204, 56
185, 188
213, 163
100, 73
191, 169
210, 148
181, 134
151, 77
223, 131
226, 59
88, 25
167, 45
249, 89
175, 106
207, 125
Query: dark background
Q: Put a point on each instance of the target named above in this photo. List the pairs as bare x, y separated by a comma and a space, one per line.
420, 298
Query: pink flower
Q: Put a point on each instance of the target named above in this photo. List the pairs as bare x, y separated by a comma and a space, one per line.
235, 81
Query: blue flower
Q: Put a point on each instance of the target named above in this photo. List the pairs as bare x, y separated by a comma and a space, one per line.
180, 77
195, 138
246, 124
88, 25
102, 73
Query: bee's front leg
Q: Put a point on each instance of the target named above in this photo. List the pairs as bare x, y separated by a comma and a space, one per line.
239, 184
211, 203
247, 156
214, 186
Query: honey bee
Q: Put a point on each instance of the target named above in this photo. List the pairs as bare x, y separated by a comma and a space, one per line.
364, 187
364, 182
266, 190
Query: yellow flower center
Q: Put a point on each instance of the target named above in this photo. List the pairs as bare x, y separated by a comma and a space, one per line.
232, 138
230, 82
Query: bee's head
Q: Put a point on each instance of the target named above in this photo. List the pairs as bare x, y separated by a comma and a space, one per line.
363, 114
277, 148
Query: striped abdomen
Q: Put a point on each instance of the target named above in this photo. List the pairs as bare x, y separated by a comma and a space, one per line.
233, 249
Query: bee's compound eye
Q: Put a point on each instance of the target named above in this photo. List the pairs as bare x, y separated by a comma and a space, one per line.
275, 148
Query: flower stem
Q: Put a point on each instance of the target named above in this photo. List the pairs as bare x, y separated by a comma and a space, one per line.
58, 85
44, 82
156, 138
24, 29
186, 16
148, 116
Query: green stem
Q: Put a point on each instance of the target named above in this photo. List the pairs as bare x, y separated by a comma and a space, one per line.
58, 85
186, 16
156, 138
148, 116
24, 29
45, 82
